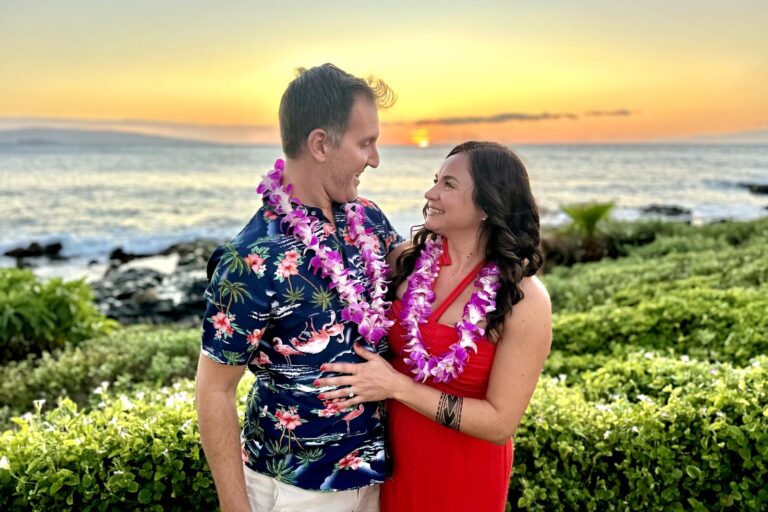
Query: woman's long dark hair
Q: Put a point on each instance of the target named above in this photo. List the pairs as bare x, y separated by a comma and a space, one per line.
511, 230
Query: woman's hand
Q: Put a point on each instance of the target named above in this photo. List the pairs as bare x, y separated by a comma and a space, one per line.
371, 381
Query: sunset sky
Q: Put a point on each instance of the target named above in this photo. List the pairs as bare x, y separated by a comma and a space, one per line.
546, 71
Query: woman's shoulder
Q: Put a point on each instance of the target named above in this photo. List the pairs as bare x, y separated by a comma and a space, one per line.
535, 301
530, 320
534, 290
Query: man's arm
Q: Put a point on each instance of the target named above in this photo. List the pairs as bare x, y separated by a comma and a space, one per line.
220, 430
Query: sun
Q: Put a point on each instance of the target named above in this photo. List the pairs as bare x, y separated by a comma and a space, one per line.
420, 137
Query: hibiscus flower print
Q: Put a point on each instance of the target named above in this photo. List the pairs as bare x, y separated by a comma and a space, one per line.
287, 265
287, 419
330, 408
328, 229
350, 461
223, 325
255, 337
256, 263
365, 202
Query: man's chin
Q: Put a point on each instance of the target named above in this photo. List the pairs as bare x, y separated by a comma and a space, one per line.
346, 197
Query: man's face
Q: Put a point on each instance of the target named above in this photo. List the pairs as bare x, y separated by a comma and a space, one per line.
356, 152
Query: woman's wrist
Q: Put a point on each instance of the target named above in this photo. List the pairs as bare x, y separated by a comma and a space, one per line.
403, 383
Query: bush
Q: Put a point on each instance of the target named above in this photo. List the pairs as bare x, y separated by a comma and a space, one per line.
139, 451
130, 356
703, 448
38, 316
630, 280
134, 453
719, 325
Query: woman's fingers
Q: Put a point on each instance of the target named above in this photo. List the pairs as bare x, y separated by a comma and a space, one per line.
362, 352
327, 382
350, 368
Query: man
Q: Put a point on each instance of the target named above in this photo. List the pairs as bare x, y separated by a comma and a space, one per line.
295, 289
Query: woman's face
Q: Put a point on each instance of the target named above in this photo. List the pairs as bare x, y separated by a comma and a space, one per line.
450, 207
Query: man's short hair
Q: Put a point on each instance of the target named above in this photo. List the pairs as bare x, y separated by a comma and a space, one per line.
322, 97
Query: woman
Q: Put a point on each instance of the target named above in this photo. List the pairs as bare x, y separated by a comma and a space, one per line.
471, 363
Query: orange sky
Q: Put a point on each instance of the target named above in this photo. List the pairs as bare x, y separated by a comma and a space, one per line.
555, 71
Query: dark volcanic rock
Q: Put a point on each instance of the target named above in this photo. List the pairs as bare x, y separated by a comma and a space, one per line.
37, 250
144, 295
667, 210
755, 188
119, 255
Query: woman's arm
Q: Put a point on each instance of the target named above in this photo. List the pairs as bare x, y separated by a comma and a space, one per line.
518, 361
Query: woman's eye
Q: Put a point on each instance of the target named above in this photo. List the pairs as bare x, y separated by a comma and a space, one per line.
434, 181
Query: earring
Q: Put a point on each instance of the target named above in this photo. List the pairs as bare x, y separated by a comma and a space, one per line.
484, 219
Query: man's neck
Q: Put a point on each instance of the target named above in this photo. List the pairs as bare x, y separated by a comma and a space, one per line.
306, 187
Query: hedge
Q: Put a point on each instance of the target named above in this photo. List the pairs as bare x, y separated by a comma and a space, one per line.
137, 451
719, 325
702, 449
130, 356
38, 316
629, 280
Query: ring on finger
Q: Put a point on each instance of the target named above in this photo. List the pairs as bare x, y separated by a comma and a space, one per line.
351, 393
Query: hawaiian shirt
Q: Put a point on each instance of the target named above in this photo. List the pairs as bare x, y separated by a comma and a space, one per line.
267, 310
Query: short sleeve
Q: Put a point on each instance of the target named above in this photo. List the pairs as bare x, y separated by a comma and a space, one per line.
237, 305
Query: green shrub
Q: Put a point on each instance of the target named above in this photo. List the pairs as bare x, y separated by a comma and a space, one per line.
702, 449
709, 324
638, 375
586, 216
629, 280
129, 356
38, 316
139, 451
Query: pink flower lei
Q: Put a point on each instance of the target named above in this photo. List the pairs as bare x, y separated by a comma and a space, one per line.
370, 317
417, 302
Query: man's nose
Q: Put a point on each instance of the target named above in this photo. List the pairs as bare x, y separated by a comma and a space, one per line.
373, 159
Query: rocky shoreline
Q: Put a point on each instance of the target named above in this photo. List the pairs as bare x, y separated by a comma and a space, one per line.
167, 287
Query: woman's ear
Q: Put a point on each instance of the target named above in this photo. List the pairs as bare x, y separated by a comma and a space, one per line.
317, 144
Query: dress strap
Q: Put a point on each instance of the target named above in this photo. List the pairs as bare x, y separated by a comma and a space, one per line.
437, 313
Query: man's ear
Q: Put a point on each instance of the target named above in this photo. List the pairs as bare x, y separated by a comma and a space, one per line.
317, 144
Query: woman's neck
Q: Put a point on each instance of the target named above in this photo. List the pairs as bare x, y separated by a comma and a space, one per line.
465, 253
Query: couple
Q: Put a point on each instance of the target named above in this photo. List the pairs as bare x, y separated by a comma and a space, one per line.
310, 293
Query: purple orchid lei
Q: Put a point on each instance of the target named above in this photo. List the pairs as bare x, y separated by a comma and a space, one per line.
370, 317
417, 302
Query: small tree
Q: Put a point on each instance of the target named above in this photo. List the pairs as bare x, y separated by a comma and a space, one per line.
586, 216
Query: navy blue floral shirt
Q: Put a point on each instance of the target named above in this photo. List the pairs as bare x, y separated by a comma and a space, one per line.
267, 310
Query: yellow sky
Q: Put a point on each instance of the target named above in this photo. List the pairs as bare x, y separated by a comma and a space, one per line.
541, 70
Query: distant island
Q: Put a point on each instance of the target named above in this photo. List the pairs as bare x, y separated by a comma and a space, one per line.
78, 137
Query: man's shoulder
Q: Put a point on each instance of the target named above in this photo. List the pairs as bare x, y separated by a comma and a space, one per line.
260, 236
372, 210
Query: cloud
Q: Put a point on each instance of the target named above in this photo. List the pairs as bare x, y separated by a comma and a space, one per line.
608, 113
512, 117
495, 119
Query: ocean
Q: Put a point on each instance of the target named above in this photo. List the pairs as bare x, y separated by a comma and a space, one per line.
144, 198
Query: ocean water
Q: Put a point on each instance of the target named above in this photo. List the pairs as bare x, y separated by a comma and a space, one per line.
94, 199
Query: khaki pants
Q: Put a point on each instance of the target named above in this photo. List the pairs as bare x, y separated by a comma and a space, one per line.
268, 495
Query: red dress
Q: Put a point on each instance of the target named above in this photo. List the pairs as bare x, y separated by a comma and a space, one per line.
436, 468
